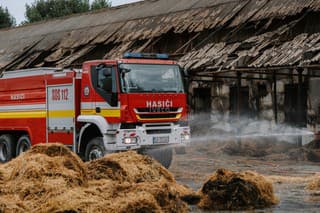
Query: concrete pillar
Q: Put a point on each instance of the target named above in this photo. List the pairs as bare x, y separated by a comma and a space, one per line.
300, 104
275, 104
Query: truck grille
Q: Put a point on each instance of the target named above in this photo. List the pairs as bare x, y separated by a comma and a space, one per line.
158, 131
158, 113
170, 109
155, 116
155, 128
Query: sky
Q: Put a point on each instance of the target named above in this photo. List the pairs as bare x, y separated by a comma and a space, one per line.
17, 7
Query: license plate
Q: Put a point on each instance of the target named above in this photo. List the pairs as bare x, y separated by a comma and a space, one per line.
158, 140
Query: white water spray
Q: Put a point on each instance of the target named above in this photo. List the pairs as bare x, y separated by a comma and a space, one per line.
244, 128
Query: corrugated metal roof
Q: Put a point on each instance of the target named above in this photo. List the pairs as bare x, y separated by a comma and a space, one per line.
65, 40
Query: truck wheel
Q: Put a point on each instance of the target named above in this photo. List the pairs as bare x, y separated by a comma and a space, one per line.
95, 149
180, 150
7, 148
23, 144
162, 155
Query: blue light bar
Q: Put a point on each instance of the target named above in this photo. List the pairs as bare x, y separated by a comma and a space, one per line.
162, 56
146, 55
132, 55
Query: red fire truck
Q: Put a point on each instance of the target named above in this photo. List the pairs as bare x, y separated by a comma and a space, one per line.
137, 102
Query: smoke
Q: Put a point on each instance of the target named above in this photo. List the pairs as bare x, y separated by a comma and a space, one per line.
218, 127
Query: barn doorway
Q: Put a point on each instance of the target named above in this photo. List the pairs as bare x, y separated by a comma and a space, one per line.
291, 102
202, 100
244, 110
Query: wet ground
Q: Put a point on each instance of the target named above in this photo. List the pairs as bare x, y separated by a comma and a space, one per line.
289, 176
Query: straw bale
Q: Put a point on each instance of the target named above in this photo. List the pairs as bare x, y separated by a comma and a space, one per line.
127, 166
111, 196
135, 168
227, 190
43, 172
50, 178
44, 162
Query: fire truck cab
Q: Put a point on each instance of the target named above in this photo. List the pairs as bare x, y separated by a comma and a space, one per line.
138, 102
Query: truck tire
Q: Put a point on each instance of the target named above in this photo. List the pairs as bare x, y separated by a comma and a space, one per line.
180, 150
7, 148
23, 144
162, 155
95, 149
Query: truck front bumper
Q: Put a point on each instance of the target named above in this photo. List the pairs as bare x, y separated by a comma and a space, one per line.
148, 136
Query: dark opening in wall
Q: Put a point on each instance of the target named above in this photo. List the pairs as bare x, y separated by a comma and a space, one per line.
293, 115
202, 100
262, 92
244, 108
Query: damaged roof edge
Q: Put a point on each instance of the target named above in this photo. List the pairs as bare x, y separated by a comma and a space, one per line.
122, 27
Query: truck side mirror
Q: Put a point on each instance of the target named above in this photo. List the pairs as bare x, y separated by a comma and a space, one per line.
124, 70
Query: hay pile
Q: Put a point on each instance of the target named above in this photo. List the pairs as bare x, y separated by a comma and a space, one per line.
51, 178
309, 152
315, 144
226, 190
314, 184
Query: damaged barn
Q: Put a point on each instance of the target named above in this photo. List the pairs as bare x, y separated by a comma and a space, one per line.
253, 58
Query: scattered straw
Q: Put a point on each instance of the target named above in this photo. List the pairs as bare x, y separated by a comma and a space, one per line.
314, 184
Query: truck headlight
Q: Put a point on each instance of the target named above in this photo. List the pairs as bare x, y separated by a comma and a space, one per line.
185, 137
130, 140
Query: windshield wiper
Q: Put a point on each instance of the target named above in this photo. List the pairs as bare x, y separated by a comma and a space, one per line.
172, 91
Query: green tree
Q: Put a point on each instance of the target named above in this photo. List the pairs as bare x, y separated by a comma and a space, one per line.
47, 9
99, 4
6, 20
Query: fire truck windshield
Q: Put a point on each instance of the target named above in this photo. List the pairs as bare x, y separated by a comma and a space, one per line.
151, 78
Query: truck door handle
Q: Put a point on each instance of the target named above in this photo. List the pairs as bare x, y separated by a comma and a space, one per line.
98, 109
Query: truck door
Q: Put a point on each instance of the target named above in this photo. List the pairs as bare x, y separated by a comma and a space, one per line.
105, 84
61, 113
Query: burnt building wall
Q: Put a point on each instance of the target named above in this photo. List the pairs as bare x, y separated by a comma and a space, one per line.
258, 100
